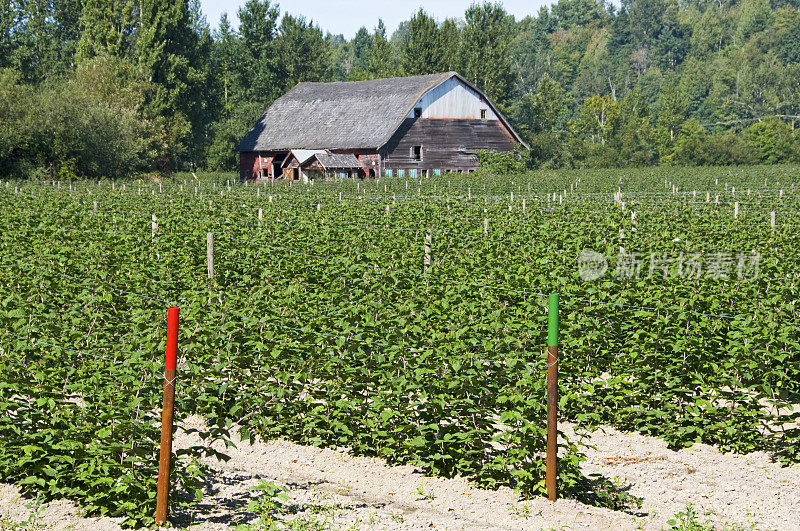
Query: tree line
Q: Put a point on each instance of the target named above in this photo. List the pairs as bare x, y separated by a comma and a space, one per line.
114, 87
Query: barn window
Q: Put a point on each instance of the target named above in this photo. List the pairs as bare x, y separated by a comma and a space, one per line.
388, 173
401, 173
416, 152
437, 171
483, 114
417, 112
412, 173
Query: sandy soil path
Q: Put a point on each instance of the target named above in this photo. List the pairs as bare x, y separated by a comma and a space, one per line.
351, 492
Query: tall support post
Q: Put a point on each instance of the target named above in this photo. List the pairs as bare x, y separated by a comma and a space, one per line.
552, 398
210, 254
428, 243
170, 367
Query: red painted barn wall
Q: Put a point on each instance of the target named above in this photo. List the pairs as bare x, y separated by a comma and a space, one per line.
246, 161
252, 164
370, 161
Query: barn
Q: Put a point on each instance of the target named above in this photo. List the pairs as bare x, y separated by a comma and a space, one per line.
391, 127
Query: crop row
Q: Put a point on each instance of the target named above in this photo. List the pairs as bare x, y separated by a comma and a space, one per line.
321, 325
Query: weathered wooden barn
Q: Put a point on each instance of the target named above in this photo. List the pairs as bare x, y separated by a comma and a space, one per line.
405, 126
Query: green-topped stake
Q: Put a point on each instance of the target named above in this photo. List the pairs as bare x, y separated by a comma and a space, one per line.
552, 397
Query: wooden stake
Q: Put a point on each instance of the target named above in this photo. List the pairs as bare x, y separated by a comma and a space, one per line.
428, 244
551, 473
210, 254
165, 454
486, 227
260, 216
155, 225
772, 219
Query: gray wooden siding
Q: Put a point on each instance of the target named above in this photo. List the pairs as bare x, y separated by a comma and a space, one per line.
446, 144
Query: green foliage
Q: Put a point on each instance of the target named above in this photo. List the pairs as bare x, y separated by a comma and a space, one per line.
106, 29
500, 163
596, 120
484, 54
328, 332
423, 52
539, 111
166, 49
726, 65
89, 124
772, 141
687, 520
381, 59
267, 506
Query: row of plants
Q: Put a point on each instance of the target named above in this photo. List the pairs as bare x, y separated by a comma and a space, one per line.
321, 324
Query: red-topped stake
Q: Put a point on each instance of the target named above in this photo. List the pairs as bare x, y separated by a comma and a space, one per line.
171, 361
170, 366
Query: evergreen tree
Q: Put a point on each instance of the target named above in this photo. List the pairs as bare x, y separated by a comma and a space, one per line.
166, 48
225, 52
570, 13
361, 47
381, 60
256, 67
485, 44
303, 54
450, 39
106, 27
422, 52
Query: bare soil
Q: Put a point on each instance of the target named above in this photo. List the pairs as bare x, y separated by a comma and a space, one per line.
349, 492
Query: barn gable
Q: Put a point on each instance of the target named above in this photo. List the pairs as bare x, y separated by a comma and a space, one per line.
363, 115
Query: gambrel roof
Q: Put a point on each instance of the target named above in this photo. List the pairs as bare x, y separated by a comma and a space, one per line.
344, 115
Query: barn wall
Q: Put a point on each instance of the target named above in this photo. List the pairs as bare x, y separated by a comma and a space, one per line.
453, 99
446, 144
246, 162
371, 161
252, 163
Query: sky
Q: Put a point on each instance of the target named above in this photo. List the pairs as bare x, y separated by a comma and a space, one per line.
346, 16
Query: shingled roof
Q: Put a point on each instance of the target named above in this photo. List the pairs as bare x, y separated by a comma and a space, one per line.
336, 161
341, 115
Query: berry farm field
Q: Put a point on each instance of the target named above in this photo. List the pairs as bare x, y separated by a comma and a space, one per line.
404, 319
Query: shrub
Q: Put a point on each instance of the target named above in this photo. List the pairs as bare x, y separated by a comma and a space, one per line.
500, 162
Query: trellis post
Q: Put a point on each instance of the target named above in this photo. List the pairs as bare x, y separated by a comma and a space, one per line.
551, 474
428, 243
210, 254
165, 454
